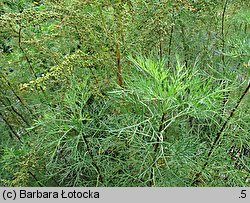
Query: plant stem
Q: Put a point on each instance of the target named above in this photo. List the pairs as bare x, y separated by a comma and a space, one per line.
33, 176
118, 44
11, 128
223, 50
169, 45
185, 47
156, 146
118, 60
93, 159
16, 95
12, 109
21, 48
219, 134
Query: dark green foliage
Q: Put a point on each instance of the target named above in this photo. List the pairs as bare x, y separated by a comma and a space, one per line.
124, 93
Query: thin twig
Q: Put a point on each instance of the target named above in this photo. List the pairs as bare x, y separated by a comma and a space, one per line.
156, 146
12, 109
11, 128
17, 96
20, 46
33, 176
93, 159
225, 99
219, 134
169, 45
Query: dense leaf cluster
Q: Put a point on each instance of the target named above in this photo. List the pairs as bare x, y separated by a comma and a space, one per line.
124, 93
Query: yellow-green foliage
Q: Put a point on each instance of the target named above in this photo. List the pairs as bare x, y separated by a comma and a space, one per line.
124, 93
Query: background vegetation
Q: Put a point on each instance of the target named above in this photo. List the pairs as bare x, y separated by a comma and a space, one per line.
124, 93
